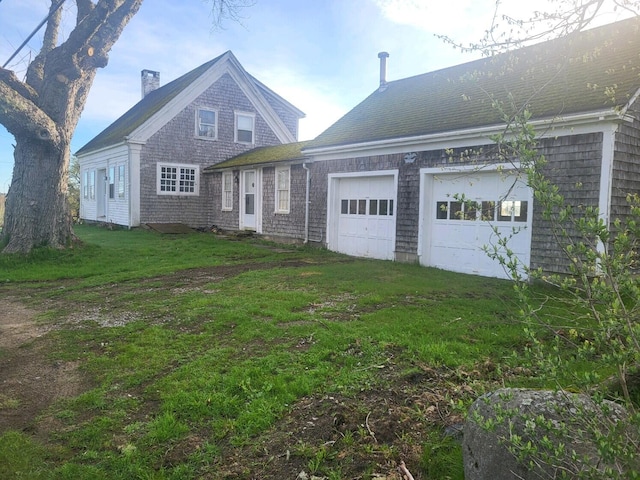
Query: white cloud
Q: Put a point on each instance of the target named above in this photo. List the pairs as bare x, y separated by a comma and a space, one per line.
321, 104
453, 17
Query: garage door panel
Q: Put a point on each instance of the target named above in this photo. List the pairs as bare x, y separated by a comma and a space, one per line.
465, 209
365, 225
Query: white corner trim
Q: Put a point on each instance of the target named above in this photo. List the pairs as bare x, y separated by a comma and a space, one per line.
606, 175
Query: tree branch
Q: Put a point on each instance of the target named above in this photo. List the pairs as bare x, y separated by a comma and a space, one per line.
35, 71
85, 7
10, 80
53, 27
101, 27
20, 115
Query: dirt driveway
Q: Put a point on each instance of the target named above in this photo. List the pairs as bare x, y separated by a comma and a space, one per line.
29, 380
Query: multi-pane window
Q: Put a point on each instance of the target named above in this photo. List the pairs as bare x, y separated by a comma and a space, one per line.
227, 191
358, 206
112, 182
120, 181
177, 180
485, 210
244, 128
282, 190
206, 126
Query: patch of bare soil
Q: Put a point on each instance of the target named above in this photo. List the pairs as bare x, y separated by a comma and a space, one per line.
361, 435
29, 380
366, 435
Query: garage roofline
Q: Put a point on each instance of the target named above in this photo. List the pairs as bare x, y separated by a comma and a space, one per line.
550, 127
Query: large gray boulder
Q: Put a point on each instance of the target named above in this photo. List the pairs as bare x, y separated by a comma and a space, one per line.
500, 420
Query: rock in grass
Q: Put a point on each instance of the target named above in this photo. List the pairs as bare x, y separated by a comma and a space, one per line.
531, 434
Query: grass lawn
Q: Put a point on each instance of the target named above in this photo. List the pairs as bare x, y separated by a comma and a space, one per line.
198, 356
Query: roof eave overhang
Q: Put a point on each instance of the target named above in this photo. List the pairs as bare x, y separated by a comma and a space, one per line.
548, 127
81, 154
246, 166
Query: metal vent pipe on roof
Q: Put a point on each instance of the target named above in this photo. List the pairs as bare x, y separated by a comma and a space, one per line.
383, 70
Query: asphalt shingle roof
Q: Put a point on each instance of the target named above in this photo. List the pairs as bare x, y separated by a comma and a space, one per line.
263, 155
589, 71
144, 110
154, 101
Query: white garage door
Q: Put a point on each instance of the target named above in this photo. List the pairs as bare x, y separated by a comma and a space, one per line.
363, 220
464, 209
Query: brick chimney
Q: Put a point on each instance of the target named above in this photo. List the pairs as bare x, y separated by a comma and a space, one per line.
383, 70
150, 81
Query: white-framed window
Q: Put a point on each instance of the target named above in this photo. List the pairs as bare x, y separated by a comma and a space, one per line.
283, 175
206, 123
112, 182
121, 179
245, 126
227, 191
483, 210
92, 185
174, 179
85, 184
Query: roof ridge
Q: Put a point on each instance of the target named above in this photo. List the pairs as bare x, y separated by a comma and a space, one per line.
572, 74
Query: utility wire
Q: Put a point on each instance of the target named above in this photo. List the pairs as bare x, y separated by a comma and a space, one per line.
53, 10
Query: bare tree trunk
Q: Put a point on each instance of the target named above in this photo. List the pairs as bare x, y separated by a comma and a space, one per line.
42, 111
37, 212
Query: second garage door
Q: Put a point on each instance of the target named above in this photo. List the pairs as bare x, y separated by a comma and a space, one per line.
363, 217
468, 212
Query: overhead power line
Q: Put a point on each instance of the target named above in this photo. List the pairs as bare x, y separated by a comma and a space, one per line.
53, 10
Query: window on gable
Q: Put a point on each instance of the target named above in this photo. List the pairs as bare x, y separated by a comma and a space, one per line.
120, 181
206, 126
112, 182
177, 179
227, 191
283, 189
245, 124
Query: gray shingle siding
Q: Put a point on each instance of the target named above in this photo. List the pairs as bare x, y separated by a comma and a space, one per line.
290, 224
228, 219
626, 169
289, 119
176, 143
574, 164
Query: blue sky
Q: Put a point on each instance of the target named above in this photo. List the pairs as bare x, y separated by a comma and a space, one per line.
320, 55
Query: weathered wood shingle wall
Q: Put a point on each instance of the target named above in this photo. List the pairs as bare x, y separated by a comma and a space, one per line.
573, 165
626, 169
176, 143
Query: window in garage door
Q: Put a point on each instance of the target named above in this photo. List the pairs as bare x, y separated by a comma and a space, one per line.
485, 210
361, 216
467, 212
359, 206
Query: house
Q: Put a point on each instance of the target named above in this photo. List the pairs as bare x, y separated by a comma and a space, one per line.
146, 167
263, 190
386, 180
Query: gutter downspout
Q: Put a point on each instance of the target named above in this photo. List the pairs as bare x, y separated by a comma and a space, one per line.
306, 203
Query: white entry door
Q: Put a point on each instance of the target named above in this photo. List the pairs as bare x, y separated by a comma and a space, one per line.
468, 212
249, 200
363, 216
